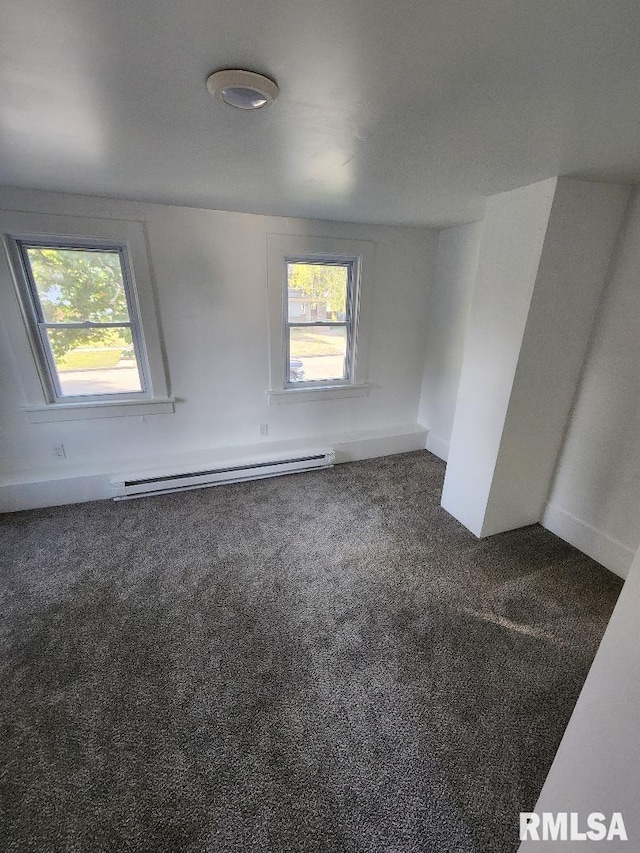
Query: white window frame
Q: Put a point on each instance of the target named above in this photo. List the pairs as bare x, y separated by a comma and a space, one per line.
38, 326
283, 249
350, 323
43, 400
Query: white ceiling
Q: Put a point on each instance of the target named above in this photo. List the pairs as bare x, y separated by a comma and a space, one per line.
404, 111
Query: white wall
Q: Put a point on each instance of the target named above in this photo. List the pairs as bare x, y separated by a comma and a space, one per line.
586, 217
595, 499
446, 327
595, 496
512, 240
209, 269
597, 766
544, 256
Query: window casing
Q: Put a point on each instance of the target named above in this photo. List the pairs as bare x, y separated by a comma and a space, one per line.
46, 331
308, 314
40, 403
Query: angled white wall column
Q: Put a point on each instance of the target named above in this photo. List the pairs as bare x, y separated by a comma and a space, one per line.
597, 766
512, 239
543, 262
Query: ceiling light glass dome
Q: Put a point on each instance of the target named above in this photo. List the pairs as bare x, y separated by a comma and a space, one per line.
244, 90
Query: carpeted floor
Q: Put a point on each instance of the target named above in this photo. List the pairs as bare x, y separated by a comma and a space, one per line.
320, 662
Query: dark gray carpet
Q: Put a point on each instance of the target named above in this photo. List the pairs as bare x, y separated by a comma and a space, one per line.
321, 662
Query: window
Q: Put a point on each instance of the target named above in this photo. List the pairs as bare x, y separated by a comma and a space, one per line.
319, 321
75, 317
318, 316
84, 319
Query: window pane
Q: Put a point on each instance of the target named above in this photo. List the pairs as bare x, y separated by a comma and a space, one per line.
317, 292
77, 284
317, 352
95, 361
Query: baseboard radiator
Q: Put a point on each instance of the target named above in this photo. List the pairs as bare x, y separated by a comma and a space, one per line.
126, 489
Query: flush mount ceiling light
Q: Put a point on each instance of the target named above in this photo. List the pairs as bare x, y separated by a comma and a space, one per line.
244, 90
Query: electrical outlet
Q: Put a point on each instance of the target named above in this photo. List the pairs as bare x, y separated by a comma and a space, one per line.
264, 429
59, 452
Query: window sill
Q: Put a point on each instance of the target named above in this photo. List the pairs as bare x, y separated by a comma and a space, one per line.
327, 392
100, 409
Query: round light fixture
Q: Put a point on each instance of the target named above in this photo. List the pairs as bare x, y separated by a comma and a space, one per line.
244, 90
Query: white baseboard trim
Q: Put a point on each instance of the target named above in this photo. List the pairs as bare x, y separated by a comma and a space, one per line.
54, 492
56, 488
438, 446
597, 544
379, 443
